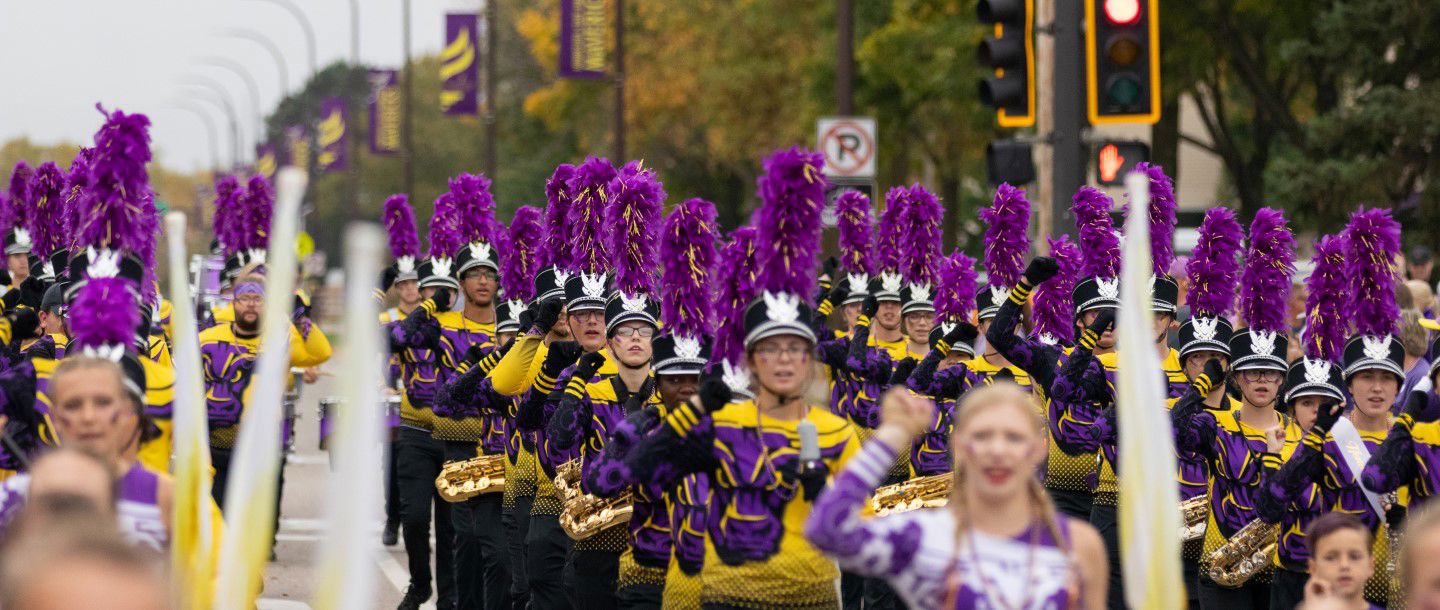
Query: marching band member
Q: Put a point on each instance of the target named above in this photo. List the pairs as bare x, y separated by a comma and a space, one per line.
419, 456
401, 279
1294, 496
998, 514
1235, 442
756, 555
951, 343
1007, 221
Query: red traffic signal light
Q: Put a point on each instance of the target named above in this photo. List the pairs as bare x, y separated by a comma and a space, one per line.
1122, 61
1010, 54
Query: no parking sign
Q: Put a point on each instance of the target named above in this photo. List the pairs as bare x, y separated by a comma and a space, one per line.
848, 144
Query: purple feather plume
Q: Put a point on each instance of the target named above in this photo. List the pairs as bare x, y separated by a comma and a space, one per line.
18, 210
557, 209
1053, 305
227, 214
476, 206
46, 230
103, 314
792, 195
636, 201
1162, 217
148, 238
1327, 306
1007, 243
920, 241
1373, 241
259, 205
1099, 243
1214, 266
76, 186
520, 260
687, 251
737, 272
955, 290
118, 181
1265, 282
445, 236
587, 249
887, 235
855, 232
400, 229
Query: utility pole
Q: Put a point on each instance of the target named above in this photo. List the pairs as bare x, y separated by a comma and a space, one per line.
492, 33
1066, 147
407, 135
845, 57
1044, 115
619, 81
352, 141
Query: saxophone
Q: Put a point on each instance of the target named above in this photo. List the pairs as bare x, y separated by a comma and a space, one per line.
585, 515
1193, 513
1244, 555
460, 481
920, 492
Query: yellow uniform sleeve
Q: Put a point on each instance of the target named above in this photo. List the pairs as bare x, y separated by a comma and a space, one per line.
309, 351
512, 376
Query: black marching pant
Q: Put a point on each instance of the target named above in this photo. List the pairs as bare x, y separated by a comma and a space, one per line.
420, 458
392, 488
642, 597
517, 524
482, 574
220, 461
1103, 517
1077, 504
1249, 596
1287, 589
591, 577
546, 547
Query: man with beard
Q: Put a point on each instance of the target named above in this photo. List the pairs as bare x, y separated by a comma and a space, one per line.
227, 359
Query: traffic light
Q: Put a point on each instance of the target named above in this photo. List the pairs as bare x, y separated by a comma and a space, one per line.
1010, 52
1115, 159
1010, 161
1122, 61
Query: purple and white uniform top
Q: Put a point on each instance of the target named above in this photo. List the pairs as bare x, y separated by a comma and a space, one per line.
917, 552
137, 506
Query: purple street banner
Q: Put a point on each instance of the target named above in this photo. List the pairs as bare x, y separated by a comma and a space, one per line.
331, 137
384, 111
297, 146
459, 70
584, 31
267, 160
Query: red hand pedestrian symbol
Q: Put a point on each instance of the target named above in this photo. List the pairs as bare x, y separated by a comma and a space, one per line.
1110, 162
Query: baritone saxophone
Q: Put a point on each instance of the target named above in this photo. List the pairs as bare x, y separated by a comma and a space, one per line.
920, 492
1244, 555
465, 479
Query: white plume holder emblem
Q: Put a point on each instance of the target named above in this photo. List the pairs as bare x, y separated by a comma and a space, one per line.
781, 308
859, 282
22, 237
112, 353
516, 308
735, 377
1108, 288
1049, 338
103, 263
1376, 348
257, 256
405, 264
920, 292
561, 277
1205, 328
687, 348
998, 295
635, 304
1316, 371
441, 266
1262, 342
890, 282
946, 328
593, 285
480, 251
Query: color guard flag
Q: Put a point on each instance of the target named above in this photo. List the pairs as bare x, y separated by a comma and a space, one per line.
1149, 499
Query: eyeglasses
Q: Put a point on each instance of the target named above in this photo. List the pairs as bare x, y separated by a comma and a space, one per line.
1260, 375
626, 332
250, 299
482, 273
774, 352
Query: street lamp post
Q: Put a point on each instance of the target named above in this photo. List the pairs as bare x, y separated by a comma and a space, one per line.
250, 84
221, 98
210, 135
280, 70
309, 30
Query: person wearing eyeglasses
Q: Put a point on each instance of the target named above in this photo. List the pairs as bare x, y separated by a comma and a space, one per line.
1237, 442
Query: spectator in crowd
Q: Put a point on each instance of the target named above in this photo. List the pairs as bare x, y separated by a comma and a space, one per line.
1340, 562
1416, 341
1419, 263
65, 482
1423, 297
83, 563
1419, 569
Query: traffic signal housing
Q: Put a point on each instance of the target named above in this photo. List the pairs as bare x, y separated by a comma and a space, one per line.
1009, 51
1122, 61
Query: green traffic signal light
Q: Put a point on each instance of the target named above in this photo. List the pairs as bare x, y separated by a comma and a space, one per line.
1123, 90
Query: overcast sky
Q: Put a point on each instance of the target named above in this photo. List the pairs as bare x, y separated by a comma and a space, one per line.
59, 57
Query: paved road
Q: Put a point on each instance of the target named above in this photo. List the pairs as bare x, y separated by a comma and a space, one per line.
289, 581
